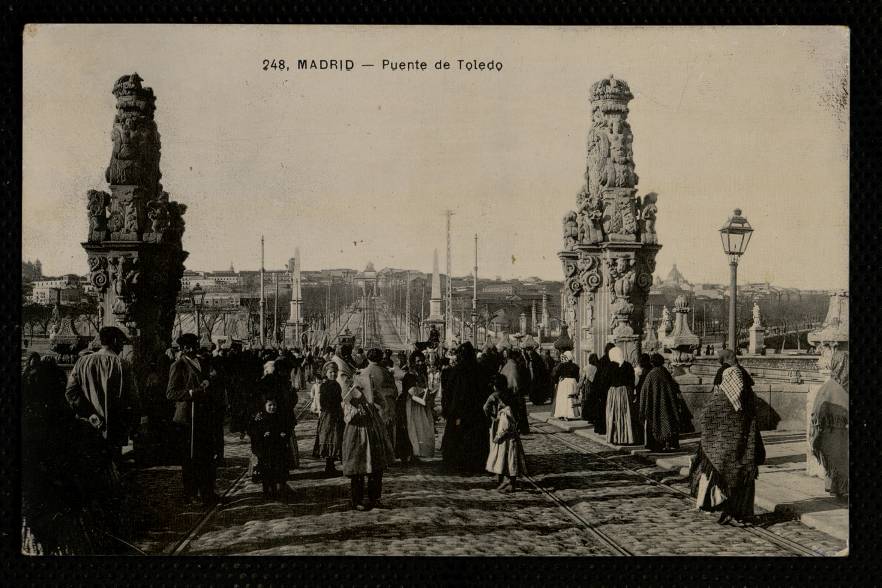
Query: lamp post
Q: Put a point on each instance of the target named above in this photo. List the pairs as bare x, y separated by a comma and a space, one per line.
197, 299
735, 235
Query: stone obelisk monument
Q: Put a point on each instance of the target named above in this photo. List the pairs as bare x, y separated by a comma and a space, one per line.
435, 317
295, 326
134, 249
610, 242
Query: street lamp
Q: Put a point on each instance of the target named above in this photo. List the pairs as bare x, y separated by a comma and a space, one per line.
197, 299
735, 235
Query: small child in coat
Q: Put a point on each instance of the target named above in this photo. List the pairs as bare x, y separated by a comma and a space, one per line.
270, 432
506, 458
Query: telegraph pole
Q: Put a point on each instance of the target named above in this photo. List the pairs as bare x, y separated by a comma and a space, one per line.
407, 310
276, 309
262, 300
448, 323
475, 297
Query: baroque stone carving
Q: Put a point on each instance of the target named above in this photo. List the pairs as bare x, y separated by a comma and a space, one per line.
135, 156
98, 273
125, 273
570, 231
98, 202
648, 212
589, 272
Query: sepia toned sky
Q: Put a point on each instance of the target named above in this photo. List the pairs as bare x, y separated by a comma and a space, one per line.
359, 166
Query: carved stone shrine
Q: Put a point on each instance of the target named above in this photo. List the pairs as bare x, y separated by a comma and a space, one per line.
610, 240
134, 243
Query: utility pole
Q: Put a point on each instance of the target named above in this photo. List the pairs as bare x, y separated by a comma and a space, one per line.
448, 323
276, 309
262, 300
407, 310
475, 297
422, 307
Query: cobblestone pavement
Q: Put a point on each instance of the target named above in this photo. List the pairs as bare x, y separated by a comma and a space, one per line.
430, 512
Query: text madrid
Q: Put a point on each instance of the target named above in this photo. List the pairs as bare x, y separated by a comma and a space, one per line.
414, 65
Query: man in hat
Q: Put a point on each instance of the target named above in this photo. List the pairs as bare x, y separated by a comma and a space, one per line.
196, 406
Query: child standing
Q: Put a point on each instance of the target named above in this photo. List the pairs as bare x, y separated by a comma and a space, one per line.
506, 458
270, 432
329, 432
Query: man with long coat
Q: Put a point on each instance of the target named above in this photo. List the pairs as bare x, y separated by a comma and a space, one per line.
379, 384
196, 405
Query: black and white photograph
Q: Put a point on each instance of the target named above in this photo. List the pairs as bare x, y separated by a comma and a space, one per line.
351, 290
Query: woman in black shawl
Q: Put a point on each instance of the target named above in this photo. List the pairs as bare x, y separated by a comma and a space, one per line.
465, 444
726, 464
658, 406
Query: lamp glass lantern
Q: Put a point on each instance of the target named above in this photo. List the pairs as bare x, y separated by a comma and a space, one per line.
197, 299
735, 235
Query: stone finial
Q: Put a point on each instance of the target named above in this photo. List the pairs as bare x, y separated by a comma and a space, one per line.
681, 341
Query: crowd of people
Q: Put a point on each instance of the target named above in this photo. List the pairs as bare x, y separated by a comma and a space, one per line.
375, 409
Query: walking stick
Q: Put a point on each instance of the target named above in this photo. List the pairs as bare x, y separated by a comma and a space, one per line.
193, 429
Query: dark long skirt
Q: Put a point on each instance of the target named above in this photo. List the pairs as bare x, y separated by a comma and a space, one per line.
329, 435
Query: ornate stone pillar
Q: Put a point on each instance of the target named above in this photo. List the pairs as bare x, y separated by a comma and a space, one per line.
610, 242
134, 243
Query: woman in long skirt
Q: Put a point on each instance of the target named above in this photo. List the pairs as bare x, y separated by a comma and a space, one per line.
828, 433
566, 378
506, 457
619, 424
727, 461
329, 431
367, 448
418, 410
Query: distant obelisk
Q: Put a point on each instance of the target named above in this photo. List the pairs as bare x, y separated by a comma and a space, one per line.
435, 300
435, 318
294, 326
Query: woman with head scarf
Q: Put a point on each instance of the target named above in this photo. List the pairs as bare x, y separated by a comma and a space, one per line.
465, 443
600, 389
828, 433
418, 402
727, 461
619, 424
658, 406
585, 383
566, 379
329, 430
517, 385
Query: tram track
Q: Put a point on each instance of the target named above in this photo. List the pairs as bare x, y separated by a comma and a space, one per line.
780, 542
602, 537
178, 547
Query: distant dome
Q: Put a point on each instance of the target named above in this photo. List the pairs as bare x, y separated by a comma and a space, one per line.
369, 267
675, 277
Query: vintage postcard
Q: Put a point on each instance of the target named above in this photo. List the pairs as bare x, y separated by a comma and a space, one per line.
428, 290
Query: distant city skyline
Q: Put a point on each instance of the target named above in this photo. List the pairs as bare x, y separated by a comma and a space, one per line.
360, 166
283, 268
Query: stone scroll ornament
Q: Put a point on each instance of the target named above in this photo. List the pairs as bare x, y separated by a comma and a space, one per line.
590, 277
98, 277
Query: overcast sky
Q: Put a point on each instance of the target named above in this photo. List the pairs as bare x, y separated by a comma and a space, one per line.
359, 166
